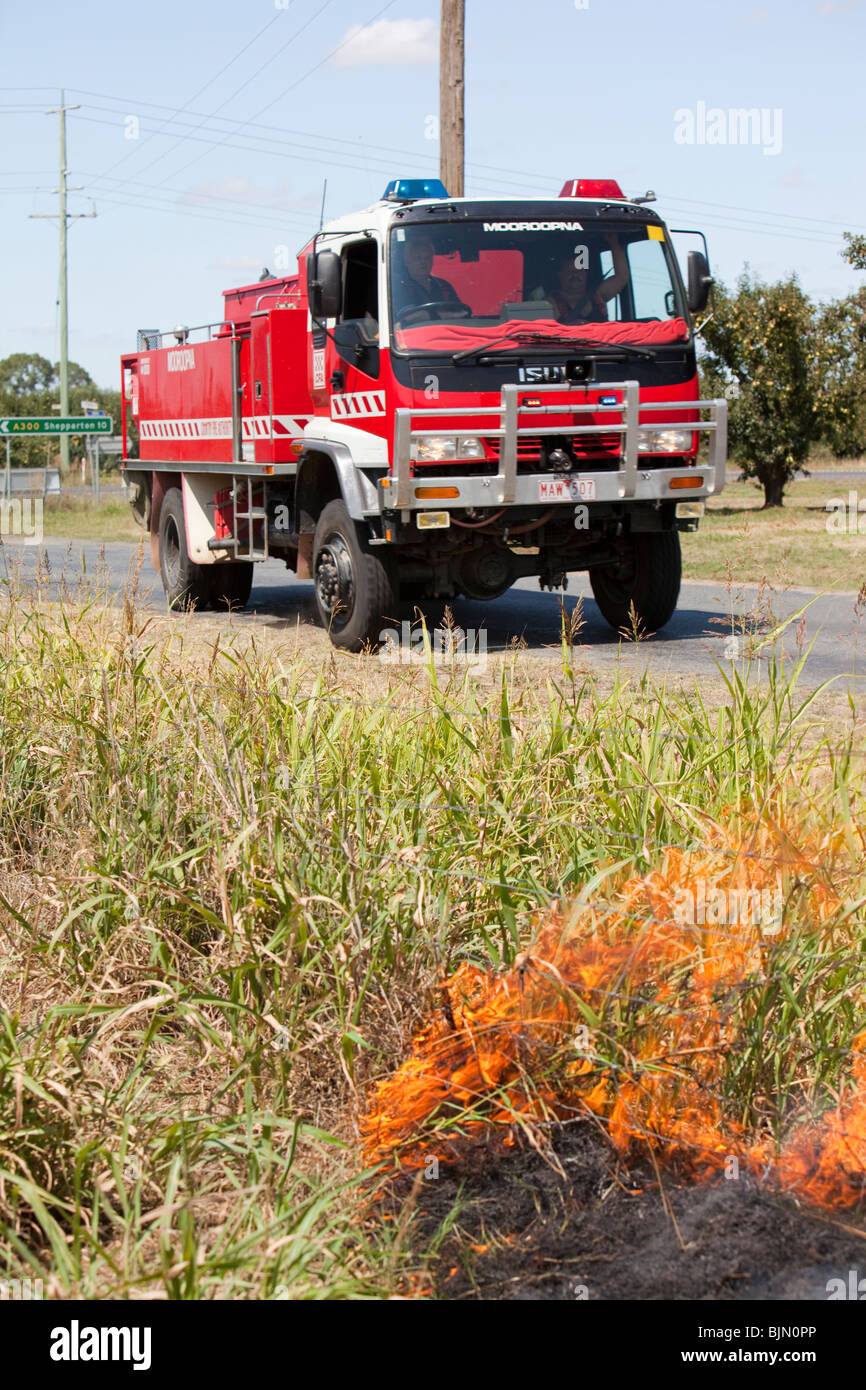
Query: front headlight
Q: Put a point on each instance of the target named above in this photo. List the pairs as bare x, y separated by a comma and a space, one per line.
664, 441
439, 448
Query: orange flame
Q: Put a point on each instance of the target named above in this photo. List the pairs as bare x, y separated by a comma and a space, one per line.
544, 1039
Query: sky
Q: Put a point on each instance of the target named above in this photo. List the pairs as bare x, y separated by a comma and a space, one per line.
203, 135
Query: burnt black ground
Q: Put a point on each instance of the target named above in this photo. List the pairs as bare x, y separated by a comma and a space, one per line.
603, 1231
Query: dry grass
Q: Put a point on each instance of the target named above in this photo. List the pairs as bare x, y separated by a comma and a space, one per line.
233, 866
78, 518
790, 546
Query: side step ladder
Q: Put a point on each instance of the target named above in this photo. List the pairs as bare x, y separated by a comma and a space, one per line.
242, 491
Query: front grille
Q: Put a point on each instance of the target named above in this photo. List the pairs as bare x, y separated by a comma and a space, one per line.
601, 445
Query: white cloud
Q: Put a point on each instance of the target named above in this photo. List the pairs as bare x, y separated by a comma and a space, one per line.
241, 189
756, 16
829, 8
236, 263
392, 42
795, 178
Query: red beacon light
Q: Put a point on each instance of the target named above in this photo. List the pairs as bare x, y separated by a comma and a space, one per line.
591, 188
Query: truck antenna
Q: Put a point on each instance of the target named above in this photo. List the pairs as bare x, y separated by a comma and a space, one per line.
322, 215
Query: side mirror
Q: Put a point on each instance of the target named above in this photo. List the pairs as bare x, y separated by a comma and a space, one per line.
700, 281
324, 284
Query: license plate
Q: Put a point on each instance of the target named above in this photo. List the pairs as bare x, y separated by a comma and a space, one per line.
566, 489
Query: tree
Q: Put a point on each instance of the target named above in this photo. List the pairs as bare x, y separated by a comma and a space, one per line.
762, 344
26, 376
855, 250
30, 385
842, 360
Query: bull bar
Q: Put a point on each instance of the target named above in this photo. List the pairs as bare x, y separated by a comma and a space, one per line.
510, 488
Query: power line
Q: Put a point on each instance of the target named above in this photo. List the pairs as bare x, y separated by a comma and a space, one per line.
314, 158
303, 77
515, 174
757, 212
272, 58
203, 216
194, 96
680, 205
281, 131
268, 210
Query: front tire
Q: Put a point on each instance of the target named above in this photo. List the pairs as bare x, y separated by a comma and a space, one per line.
187, 585
356, 591
647, 574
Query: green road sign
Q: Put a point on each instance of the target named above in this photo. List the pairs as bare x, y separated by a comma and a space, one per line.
53, 424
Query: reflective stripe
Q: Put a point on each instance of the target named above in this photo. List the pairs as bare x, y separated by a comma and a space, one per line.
255, 427
354, 404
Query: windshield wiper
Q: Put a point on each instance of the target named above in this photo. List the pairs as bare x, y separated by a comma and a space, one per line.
505, 338
540, 339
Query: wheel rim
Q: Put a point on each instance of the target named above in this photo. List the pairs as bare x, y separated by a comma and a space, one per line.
335, 581
171, 551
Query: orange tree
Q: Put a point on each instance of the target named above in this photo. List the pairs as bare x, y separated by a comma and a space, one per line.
842, 402
762, 352
855, 250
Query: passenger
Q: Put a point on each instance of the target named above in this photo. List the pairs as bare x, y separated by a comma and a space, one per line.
569, 292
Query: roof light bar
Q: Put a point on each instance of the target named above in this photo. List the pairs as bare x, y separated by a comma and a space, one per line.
591, 188
410, 190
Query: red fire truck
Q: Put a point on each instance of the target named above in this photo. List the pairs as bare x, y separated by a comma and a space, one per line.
449, 395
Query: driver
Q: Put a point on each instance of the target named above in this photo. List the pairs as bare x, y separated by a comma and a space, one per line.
418, 285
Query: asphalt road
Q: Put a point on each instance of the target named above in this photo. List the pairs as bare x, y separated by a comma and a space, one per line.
695, 641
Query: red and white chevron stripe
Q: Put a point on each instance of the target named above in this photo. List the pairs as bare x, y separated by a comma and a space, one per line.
352, 405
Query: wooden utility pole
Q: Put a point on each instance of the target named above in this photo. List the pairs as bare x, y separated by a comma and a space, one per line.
451, 61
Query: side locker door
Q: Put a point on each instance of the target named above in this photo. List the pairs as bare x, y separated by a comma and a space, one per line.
258, 431
245, 399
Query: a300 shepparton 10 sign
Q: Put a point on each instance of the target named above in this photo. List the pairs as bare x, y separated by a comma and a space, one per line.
53, 424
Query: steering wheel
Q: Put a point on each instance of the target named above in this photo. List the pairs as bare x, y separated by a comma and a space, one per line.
455, 307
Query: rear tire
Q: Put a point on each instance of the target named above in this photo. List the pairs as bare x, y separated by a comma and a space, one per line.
187, 585
231, 585
647, 574
356, 590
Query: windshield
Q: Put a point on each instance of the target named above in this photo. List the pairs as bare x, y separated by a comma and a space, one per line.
457, 285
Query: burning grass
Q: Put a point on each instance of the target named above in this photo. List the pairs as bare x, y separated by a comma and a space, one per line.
660, 1018
233, 877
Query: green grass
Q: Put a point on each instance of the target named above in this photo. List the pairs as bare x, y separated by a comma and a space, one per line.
230, 878
78, 518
